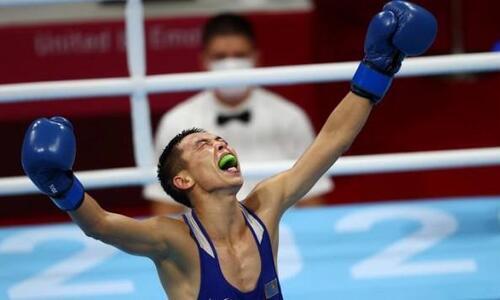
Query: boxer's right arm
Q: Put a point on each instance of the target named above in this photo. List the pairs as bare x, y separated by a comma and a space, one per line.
48, 154
147, 237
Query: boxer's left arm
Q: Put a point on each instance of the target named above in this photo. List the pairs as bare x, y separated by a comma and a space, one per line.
400, 29
334, 139
338, 133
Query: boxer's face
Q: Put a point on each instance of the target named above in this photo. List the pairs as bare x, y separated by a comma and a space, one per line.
202, 153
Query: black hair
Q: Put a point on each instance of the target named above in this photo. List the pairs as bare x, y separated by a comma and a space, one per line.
227, 24
169, 165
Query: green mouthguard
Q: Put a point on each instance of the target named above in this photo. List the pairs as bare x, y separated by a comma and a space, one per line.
227, 161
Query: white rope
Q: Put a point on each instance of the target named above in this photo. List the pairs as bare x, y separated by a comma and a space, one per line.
393, 162
350, 165
420, 66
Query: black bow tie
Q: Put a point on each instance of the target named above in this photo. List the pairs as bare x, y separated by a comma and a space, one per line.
242, 117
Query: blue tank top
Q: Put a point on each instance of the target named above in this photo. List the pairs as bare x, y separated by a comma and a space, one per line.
213, 284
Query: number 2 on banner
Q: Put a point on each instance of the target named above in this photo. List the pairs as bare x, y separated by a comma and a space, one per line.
392, 261
50, 283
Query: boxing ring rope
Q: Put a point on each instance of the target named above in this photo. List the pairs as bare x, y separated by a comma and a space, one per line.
350, 165
138, 86
312, 73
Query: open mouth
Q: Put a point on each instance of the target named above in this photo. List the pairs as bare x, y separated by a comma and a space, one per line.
228, 163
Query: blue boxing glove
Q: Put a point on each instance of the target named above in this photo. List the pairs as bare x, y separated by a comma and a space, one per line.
48, 154
401, 29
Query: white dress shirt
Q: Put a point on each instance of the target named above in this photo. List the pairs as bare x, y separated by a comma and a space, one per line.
277, 130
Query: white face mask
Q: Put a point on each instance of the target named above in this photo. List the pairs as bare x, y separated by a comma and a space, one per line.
232, 63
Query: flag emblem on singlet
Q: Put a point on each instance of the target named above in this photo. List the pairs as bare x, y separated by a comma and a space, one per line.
271, 288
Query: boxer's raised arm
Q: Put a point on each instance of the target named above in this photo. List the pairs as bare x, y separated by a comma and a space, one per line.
336, 136
148, 237
399, 30
48, 154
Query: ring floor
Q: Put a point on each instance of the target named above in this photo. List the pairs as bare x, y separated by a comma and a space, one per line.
426, 249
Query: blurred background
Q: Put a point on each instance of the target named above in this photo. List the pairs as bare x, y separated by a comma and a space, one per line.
77, 41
